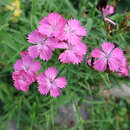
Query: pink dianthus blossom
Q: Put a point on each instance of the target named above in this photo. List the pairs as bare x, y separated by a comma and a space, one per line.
22, 80
73, 31
48, 82
44, 45
108, 10
125, 11
27, 64
73, 53
52, 25
110, 55
25, 72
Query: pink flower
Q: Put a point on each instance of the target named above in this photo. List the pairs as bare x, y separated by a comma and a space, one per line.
108, 11
123, 67
73, 53
27, 64
125, 11
48, 82
110, 55
22, 80
52, 25
44, 45
73, 31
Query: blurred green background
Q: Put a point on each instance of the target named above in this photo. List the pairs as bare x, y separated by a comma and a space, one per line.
86, 87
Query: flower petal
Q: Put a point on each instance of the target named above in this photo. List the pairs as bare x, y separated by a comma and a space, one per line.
100, 64
57, 23
27, 60
107, 47
96, 53
114, 64
43, 89
45, 53
52, 43
44, 20
75, 25
55, 92
41, 79
35, 37
18, 65
61, 82
80, 49
110, 21
51, 73
36, 65
114, 61
33, 51
118, 53
45, 29
68, 56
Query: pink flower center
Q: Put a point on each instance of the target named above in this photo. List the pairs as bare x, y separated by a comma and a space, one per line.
26, 68
41, 44
50, 83
43, 41
23, 78
107, 55
69, 30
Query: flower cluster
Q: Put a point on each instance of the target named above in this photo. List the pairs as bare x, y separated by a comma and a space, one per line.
55, 32
110, 56
25, 72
